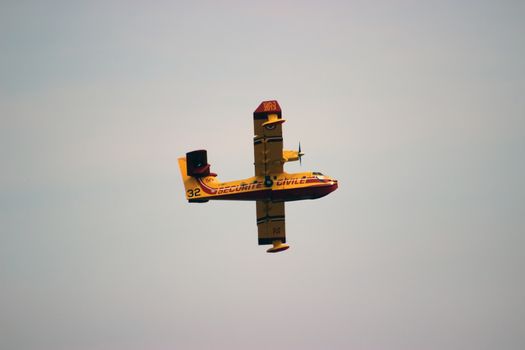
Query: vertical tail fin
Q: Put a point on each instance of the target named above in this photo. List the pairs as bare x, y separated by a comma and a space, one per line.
189, 181
198, 188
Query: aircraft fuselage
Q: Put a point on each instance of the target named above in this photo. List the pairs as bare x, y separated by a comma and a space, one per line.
283, 187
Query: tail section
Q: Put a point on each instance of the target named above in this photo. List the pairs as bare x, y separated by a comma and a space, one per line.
199, 182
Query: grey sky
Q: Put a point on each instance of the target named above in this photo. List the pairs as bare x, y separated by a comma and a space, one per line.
416, 107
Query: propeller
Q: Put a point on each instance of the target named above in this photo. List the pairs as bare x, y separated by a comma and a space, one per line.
300, 154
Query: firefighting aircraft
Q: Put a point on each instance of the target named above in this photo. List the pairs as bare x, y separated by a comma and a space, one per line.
269, 188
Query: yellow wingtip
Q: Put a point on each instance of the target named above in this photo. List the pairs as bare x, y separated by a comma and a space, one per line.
278, 246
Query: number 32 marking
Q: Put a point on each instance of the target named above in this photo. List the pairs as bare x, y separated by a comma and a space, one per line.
194, 192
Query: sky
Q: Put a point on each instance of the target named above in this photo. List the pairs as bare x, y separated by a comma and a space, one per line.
416, 107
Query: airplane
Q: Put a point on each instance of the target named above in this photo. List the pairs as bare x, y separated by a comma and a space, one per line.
270, 188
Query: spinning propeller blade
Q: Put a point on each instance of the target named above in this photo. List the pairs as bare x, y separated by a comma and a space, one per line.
300, 154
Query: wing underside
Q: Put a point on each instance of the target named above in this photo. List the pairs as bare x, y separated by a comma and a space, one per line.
270, 222
268, 154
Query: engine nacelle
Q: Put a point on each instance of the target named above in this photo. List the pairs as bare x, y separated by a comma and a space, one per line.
292, 156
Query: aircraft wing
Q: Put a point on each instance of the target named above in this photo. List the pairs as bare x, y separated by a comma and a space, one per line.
268, 139
270, 222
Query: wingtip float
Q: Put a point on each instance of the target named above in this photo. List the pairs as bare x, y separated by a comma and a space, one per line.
269, 188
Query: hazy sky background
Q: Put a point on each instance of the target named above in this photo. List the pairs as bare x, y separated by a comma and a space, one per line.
416, 107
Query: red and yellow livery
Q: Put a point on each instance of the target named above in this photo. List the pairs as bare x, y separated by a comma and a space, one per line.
270, 187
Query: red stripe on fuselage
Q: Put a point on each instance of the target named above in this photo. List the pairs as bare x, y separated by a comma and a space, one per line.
207, 189
255, 191
309, 192
286, 195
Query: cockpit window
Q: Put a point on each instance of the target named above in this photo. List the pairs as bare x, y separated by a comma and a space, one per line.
317, 173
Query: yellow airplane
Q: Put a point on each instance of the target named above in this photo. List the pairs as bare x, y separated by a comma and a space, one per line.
270, 187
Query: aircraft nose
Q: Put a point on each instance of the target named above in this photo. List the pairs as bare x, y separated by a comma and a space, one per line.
333, 185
